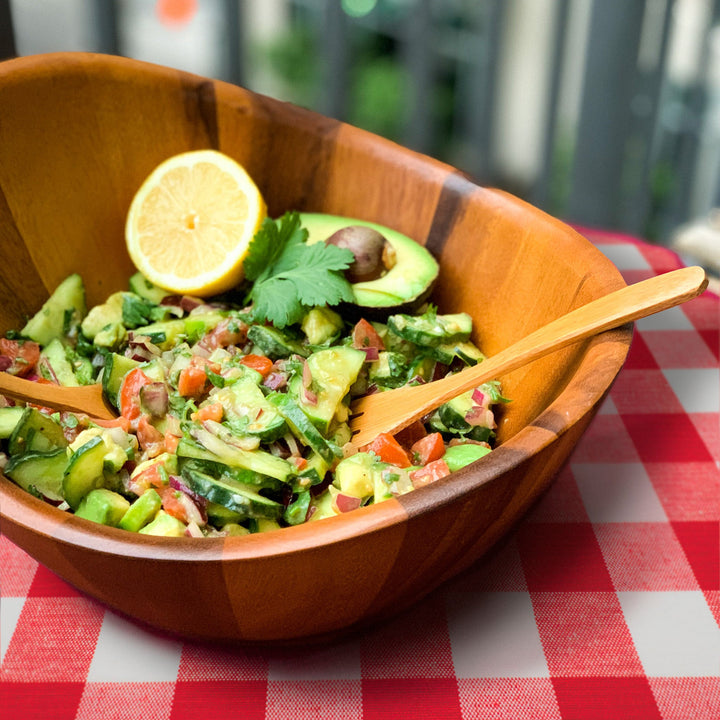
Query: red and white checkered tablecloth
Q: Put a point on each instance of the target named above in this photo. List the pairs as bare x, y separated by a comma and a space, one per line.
604, 603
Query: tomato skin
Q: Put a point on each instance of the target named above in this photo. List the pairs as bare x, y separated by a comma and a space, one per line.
262, 364
389, 450
214, 411
172, 504
364, 335
193, 379
22, 355
429, 448
150, 439
130, 393
429, 474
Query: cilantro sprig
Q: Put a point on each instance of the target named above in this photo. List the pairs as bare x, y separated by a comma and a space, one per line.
289, 276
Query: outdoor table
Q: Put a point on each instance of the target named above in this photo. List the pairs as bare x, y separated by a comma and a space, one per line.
603, 603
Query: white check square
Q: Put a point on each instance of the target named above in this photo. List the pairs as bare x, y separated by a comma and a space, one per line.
697, 389
10, 609
128, 653
510, 644
674, 633
618, 492
624, 256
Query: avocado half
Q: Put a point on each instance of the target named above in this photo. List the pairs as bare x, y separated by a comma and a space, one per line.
403, 288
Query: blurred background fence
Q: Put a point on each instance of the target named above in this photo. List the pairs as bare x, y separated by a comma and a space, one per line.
603, 112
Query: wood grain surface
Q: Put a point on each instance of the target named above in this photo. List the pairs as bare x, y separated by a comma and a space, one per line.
80, 132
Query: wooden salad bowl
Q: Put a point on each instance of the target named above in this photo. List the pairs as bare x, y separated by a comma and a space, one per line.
78, 135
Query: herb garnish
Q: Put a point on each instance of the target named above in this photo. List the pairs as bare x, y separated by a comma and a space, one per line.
289, 276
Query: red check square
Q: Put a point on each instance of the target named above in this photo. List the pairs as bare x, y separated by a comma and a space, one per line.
605, 698
701, 543
40, 701
644, 391
605, 441
227, 699
666, 438
640, 357
47, 584
406, 699
562, 557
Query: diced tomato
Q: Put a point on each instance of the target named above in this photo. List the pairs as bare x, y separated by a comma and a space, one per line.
213, 411
150, 439
299, 462
223, 336
21, 356
258, 362
431, 447
364, 335
130, 393
172, 503
389, 450
121, 422
171, 442
193, 379
150, 477
430, 473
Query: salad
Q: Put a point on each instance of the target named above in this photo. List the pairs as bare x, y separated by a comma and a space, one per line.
233, 410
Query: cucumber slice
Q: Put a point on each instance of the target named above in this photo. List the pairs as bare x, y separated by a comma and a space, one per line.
63, 311
249, 413
432, 330
9, 418
274, 343
141, 286
36, 432
242, 499
84, 471
225, 472
40, 472
258, 461
55, 366
114, 372
333, 371
303, 428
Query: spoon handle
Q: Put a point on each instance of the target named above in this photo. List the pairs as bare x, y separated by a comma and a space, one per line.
393, 410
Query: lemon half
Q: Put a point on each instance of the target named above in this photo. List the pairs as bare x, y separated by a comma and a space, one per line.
191, 222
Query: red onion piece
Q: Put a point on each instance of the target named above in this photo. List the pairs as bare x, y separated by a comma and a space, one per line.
276, 380
346, 503
371, 353
154, 398
479, 397
5, 362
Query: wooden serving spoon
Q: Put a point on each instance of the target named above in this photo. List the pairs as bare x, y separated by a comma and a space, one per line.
87, 399
393, 410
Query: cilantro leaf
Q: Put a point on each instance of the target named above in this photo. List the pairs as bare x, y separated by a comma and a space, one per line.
291, 276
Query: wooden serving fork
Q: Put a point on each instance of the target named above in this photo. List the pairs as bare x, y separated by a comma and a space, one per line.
392, 410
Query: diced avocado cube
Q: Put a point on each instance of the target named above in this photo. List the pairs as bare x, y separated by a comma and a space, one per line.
355, 475
164, 525
321, 324
103, 506
458, 456
142, 511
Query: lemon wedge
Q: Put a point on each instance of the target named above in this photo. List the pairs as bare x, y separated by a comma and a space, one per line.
190, 224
